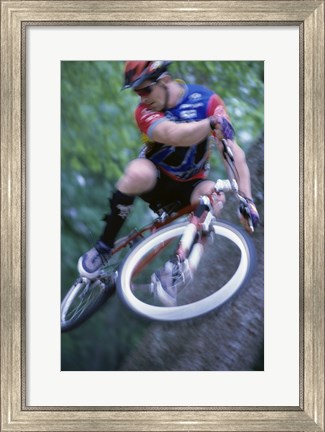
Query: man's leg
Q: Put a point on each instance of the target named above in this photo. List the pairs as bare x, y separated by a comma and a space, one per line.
175, 273
140, 176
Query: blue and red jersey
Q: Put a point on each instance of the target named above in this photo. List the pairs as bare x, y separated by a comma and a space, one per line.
180, 163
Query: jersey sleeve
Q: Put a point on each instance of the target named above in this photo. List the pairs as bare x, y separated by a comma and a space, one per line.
148, 119
217, 106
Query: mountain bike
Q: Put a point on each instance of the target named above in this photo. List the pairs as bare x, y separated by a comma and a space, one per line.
164, 270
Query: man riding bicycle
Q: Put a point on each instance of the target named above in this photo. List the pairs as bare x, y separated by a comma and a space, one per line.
177, 122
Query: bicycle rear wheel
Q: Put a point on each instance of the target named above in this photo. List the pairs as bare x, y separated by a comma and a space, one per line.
198, 296
83, 299
86, 296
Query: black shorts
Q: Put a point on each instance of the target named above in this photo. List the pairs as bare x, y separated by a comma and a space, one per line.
167, 191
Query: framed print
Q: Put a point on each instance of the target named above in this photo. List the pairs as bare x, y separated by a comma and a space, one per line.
36, 39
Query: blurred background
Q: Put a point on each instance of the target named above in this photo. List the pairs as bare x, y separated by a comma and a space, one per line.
98, 138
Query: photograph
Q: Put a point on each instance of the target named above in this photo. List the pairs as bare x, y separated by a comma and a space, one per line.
132, 305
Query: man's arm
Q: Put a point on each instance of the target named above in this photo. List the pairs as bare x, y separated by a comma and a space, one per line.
158, 128
247, 213
181, 134
241, 166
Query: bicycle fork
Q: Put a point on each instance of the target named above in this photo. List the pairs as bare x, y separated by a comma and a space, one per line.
191, 245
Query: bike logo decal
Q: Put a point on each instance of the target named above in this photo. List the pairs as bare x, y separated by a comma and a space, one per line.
195, 96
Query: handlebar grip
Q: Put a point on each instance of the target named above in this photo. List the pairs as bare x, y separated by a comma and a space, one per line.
244, 210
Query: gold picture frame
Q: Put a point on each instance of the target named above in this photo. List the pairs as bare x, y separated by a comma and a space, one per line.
308, 15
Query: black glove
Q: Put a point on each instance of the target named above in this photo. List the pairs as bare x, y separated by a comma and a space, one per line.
248, 214
222, 127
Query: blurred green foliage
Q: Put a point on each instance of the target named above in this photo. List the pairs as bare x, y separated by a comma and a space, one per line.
98, 138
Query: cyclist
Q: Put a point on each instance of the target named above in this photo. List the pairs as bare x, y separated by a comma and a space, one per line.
177, 122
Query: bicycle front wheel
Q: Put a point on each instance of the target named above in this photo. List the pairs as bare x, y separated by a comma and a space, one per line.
210, 286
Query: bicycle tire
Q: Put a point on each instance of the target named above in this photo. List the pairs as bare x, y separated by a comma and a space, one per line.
83, 299
175, 313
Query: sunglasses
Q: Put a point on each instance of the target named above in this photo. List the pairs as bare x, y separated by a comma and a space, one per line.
145, 91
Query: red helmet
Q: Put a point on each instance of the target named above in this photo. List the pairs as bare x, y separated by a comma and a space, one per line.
136, 72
